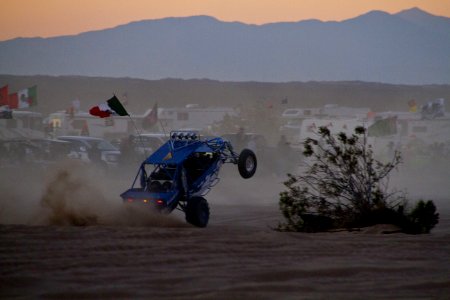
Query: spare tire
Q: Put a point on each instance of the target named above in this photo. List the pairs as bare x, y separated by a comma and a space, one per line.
247, 163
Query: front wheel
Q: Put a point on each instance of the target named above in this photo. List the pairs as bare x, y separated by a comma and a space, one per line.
247, 163
197, 211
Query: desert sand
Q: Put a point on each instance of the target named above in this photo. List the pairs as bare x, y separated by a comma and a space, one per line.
130, 253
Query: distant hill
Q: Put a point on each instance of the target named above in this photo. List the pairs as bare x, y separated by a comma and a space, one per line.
57, 93
410, 47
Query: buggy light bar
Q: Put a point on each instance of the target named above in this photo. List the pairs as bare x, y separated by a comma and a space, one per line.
184, 135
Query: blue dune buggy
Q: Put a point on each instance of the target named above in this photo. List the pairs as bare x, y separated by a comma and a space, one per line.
182, 171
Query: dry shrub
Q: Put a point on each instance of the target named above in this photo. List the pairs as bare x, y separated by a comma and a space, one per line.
343, 185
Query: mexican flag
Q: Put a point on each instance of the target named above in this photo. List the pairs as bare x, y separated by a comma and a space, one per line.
111, 107
27, 97
23, 98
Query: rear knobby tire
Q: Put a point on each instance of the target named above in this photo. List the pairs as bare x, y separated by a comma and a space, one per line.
197, 211
247, 163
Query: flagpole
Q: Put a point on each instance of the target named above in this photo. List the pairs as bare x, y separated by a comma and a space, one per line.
164, 130
139, 135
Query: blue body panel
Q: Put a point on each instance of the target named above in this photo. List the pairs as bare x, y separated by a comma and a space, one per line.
176, 152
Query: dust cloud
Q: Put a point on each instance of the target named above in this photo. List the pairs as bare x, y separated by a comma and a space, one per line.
72, 194
426, 180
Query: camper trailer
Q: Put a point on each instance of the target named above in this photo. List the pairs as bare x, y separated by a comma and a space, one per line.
300, 123
410, 128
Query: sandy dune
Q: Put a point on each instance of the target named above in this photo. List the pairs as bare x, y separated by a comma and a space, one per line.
129, 254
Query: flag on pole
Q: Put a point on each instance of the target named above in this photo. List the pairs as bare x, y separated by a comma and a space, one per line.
4, 100
111, 107
151, 119
27, 97
23, 98
13, 100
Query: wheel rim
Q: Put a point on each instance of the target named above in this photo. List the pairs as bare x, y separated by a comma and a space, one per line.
249, 164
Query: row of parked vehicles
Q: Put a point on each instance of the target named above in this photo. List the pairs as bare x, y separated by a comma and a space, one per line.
48, 151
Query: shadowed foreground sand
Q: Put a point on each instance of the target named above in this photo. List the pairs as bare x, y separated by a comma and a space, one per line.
238, 256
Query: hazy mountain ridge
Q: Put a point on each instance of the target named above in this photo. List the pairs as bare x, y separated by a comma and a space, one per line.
410, 47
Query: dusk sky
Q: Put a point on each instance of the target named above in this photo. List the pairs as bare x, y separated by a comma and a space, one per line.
46, 18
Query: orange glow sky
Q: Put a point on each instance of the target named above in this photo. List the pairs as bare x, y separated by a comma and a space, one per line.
45, 18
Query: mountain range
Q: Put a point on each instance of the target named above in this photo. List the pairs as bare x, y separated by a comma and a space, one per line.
409, 47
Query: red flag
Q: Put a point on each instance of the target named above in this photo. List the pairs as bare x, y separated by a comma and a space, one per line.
4, 95
13, 100
151, 119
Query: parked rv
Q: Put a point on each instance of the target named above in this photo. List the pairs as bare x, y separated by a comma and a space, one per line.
299, 121
405, 128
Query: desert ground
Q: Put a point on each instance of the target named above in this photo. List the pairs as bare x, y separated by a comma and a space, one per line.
122, 252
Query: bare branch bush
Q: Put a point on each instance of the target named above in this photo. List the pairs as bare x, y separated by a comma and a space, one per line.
343, 185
